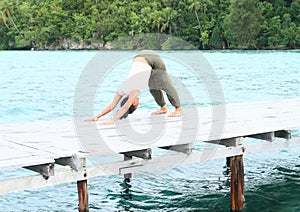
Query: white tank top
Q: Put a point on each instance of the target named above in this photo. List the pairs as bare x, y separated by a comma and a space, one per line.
137, 78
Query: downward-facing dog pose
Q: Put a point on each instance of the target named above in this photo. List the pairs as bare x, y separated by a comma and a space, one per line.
160, 81
147, 71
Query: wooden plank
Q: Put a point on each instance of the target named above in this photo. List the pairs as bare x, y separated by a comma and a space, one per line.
62, 175
237, 124
66, 174
194, 157
14, 155
50, 140
55, 137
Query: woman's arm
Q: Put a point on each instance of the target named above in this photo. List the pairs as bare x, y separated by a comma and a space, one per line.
131, 98
108, 108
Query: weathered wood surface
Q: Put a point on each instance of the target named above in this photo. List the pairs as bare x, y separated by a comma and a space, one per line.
237, 202
67, 175
83, 196
41, 142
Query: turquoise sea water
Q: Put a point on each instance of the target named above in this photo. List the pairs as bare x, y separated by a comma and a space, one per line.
41, 85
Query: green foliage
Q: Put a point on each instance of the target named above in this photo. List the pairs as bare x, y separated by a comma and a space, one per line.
242, 24
203, 24
175, 43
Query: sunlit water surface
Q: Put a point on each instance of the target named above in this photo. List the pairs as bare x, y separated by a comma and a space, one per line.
41, 85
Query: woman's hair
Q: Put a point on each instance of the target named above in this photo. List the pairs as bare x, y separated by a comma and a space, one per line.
130, 110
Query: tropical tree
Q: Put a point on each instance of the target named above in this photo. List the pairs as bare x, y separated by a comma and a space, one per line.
200, 8
242, 24
169, 15
62, 24
157, 20
7, 18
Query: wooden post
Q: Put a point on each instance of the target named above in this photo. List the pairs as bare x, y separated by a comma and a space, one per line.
237, 183
83, 196
230, 142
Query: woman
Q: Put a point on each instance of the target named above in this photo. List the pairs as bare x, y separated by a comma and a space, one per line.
137, 81
148, 69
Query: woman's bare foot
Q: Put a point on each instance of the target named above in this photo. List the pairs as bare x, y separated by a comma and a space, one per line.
176, 113
162, 110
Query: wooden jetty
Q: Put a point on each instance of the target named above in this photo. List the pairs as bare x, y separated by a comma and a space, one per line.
58, 150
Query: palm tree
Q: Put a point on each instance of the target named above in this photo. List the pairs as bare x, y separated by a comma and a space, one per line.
6, 14
168, 15
195, 7
157, 20
3, 19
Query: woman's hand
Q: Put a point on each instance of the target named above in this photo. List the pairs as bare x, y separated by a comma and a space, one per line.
95, 118
108, 122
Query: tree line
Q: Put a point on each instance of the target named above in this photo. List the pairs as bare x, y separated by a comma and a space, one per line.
96, 24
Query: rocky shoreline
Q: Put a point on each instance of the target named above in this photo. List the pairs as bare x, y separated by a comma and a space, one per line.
67, 44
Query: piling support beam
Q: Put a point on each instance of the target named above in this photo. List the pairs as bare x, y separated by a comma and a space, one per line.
83, 196
231, 142
128, 176
237, 202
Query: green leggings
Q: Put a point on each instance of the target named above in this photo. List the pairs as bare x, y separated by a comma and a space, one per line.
159, 98
160, 81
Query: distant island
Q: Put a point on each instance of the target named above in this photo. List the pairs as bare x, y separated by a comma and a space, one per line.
165, 25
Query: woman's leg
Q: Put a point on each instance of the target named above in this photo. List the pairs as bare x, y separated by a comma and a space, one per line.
159, 99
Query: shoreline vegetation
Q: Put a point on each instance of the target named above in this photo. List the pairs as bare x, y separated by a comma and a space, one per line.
143, 24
